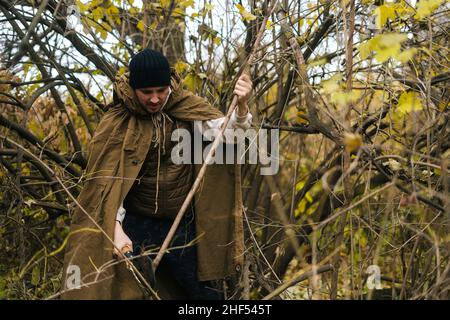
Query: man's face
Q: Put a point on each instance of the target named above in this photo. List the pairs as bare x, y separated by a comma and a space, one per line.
152, 98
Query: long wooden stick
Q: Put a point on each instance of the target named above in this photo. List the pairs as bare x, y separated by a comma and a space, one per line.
216, 142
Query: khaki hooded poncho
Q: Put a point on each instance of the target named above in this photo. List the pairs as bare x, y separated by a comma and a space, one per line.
116, 154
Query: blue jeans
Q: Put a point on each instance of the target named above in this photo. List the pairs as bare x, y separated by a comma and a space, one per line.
146, 232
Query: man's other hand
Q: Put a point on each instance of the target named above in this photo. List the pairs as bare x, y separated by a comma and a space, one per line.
121, 241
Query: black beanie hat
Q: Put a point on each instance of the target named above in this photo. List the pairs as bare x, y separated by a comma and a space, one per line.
149, 68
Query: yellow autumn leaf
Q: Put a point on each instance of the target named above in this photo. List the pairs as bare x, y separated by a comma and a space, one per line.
113, 10
106, 26
332, 85
383, 13
385, 46
426, 8
187, 3
389, 39
81, 6
209, 7
364, 50
386, 52
352, 141
178, 13
122, 70
301, 22
342, 98
335, 90
154, 25
26, 68
114, 13
444, 105
97, 13
165, 3
247, 16
140, 25
299, 186
301, 117
409, 102
192, 81
133, 11
406, 55
271, 95
180, 66
318, 62
391, 11
96, 3
102, 31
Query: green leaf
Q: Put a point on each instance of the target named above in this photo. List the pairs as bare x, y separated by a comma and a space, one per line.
35, 275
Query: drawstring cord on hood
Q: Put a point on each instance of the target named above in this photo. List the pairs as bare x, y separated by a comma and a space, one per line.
157, 118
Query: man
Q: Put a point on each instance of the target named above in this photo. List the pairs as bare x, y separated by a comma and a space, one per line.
133, 191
